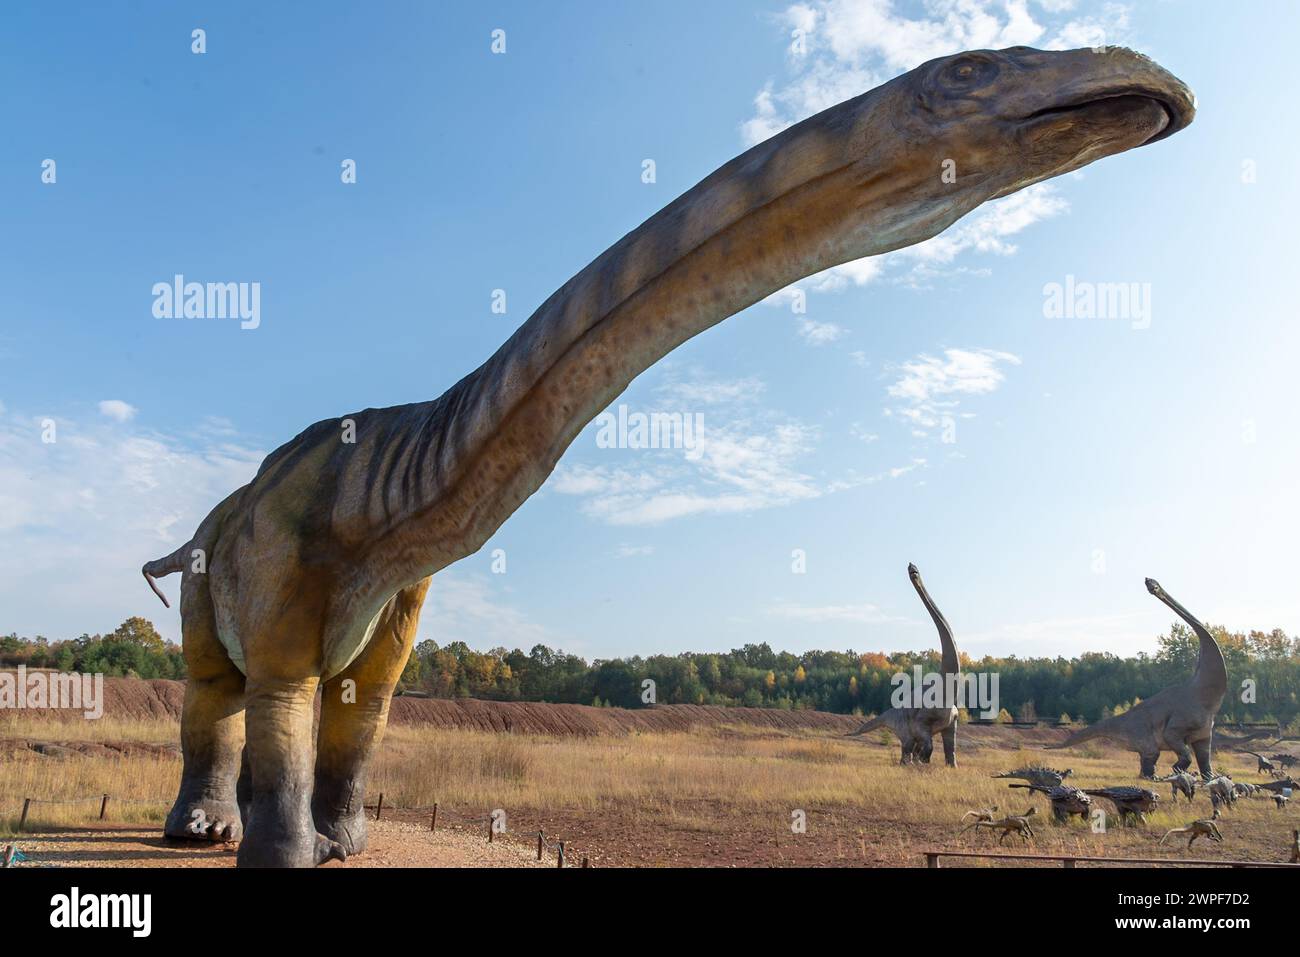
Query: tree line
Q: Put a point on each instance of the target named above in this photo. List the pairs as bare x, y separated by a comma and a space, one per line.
1086, 688
1263, 674
133, 650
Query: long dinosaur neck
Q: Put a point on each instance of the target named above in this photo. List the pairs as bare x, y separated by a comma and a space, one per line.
1211, 674
951, 663
819, 194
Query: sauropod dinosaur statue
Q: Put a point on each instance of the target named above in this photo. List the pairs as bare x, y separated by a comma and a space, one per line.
313, 574
1178, 719
916, 727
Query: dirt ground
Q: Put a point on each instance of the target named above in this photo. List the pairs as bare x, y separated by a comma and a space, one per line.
392, 844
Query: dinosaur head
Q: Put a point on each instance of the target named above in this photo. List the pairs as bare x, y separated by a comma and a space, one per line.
1154, 588
987, 123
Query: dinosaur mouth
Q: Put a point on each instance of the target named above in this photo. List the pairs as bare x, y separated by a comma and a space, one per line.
1146, 115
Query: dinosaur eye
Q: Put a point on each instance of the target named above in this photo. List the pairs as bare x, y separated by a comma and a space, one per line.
969, 72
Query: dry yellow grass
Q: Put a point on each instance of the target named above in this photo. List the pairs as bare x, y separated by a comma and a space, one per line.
707, 780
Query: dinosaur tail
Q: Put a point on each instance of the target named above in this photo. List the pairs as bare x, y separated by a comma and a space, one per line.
162, 567
877, 722
1109, 726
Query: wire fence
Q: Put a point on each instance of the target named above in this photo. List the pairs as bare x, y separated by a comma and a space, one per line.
493, 823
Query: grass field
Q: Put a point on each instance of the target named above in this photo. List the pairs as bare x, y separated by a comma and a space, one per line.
716, 795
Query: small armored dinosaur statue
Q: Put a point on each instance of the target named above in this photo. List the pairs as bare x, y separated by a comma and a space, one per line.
1222, 791
1178, 719
1181, 782
314, 574
916, 727
1036, 774
1011, 824
1130, 802
1197, 829
1066, 800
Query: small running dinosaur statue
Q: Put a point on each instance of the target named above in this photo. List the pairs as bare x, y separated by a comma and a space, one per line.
1265, 765
1011, 824
311, 578
1178, 719
1202, 828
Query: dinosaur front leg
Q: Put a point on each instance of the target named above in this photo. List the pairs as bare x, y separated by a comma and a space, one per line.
354, 713
950, 745
212, 728
279, 741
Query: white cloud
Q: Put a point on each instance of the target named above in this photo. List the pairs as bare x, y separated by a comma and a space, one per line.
117, 410
467, 608
631, 551
851, 46
817, 614
745, 459
819, 333
80, 516
687, 394
1122, 634
929, 388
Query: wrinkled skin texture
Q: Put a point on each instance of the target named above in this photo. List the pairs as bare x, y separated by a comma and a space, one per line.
334, 536
1178, 719
916, 727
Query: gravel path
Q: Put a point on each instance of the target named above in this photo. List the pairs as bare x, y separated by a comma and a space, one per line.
392, 844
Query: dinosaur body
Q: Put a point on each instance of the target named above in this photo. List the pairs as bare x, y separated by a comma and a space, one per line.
1066, 800
315, 572
1178, 719
1180, 782
1265, 765
916, 727
1130, 802
1196, 829
1017, 824
1036, 774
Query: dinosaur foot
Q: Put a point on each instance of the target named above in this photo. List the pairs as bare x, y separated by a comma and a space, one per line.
204, 820
348, 830
314, 850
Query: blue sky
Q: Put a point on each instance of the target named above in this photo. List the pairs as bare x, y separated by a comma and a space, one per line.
1087, 454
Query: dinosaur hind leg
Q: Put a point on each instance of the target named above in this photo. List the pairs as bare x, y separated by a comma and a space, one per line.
354, 713
1202, 751
950, 746
1148, 757
280, 831
212, 727
1184, 757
